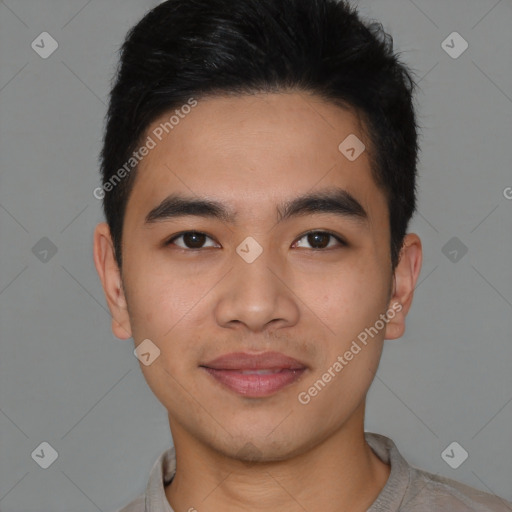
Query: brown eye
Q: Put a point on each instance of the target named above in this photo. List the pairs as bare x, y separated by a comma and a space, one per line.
321, 239
191, 240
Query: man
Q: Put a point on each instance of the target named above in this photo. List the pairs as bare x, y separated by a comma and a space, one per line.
259, 168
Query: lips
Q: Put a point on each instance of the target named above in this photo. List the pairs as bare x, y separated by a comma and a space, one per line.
245, 361
255, 375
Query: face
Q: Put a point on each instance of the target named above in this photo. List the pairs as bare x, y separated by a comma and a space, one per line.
300, 279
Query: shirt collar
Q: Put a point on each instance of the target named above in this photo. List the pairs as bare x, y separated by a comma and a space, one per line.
392, 494
161, 475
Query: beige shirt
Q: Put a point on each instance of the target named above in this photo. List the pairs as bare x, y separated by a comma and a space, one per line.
408, 489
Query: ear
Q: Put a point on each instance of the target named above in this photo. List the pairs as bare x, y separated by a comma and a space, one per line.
110, 276
406, 275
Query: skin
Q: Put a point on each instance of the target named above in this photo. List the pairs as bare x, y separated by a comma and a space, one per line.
251, 153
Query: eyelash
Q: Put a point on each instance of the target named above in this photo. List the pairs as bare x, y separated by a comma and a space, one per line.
341, 242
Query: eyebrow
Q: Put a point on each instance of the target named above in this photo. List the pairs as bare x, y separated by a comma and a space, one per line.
333, 200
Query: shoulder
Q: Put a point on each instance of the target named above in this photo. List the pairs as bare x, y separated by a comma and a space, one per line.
428, 491
137, 505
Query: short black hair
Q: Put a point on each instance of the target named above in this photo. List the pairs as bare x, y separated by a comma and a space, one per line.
185, 49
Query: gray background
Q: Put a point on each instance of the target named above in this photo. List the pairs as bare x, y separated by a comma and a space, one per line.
65, 379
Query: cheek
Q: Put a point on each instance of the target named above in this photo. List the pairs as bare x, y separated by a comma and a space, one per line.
346, 299
167, 309
350, 307
157, 300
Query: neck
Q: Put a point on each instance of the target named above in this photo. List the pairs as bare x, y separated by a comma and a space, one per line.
340, 474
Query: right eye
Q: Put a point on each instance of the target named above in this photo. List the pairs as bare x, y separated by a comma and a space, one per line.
191, 240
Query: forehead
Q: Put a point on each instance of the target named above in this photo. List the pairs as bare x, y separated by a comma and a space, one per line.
252, 151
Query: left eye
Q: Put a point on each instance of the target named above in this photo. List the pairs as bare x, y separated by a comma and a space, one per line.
321, 238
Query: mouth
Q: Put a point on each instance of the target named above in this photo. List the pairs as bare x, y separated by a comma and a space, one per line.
255, 375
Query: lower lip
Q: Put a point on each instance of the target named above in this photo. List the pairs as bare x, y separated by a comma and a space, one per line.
255, 385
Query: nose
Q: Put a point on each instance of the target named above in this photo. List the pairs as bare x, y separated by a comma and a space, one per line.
257, 295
